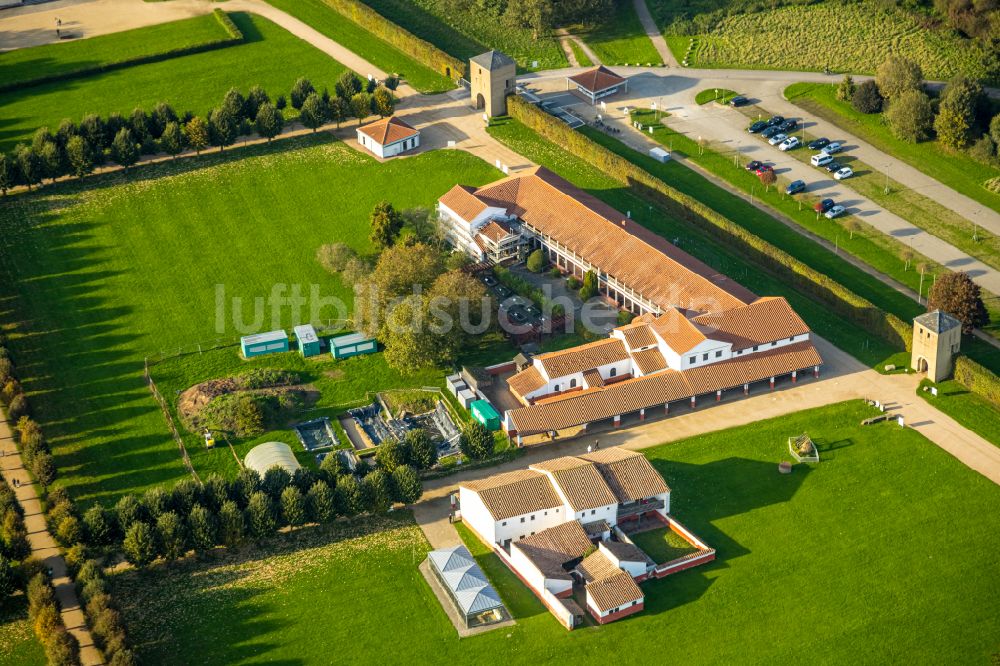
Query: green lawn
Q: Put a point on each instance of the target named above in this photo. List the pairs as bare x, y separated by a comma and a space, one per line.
791, 37
270, 57
870, 350
721, 95
662, 544
466, 29
581, 56
846, 543
909, 204
621, 39
352, 36
103, 273
28, 64
961, 404
954, 169
18, 644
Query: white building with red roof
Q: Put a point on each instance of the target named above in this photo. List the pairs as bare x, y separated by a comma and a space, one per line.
388, 137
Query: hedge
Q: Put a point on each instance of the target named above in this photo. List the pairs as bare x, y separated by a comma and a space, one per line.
978, 379
235, 37
805, 279
418, 49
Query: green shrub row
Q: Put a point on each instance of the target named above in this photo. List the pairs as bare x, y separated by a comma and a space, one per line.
807, 280
418, 49
978, 379
235, 37
61, 648
522, 287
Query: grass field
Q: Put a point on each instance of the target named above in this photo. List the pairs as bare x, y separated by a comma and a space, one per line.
103, 273
869, 350
37, 62
18, 644
868, 245
466, 29
621, 39
270, 57
961, 404
663, 544
581, 56
847, 542
350, 35
793, 38
721, 95
954, 169
908, 203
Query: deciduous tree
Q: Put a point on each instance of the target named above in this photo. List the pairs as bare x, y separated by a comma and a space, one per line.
203, 528
348, 85
959, 296
139, 544
314, 112
261, 514
172, 534
28, 165
293, 507
223, 127
536, 261
124, 150
476, 441
347, 495
386, 223
81, 159
269, 121
910, 116
196, 131
361, 106
320, 506
845, 91
897, 75
956, 121
406, 485
867, 98
232, 524
376, 496
384, 102
300, 92
590, 287
172, 139
423, 452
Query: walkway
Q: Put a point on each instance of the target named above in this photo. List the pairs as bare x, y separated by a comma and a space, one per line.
44, 547
654, 33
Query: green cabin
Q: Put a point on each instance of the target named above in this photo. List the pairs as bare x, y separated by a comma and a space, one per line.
483, 412
308, 340
264, 343
352, 345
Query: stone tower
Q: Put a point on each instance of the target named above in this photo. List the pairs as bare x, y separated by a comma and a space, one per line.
936, 339
492, 76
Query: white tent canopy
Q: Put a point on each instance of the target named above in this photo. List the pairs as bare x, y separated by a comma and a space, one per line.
271, 454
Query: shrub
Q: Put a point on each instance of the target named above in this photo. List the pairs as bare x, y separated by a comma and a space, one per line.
155, 501
10, 389
898, 75
232, 524
44, 468
260, 512
6, 370
293, 507
139, 544
573, 283
536, 261
867, 98
320, 503
406, 486
46, 619
984, 150
75, 556
203, 529
123, 657
93, 588
128, 511
172, 535
589, 288
8, 579
17, 407
276, 479
555, 272
476, 442
625, 317
61, 649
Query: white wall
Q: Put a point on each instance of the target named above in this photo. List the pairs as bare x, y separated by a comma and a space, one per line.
460, 232
535, 578
474, 513
784, 342
514, 529
633, 569
564, 382
608, 513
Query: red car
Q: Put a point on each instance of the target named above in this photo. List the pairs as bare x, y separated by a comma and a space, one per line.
762, 168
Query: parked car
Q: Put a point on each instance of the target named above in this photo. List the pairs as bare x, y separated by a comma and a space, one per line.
777, 138
836, 211
762, 168
757, 127
769, 132
841, 174
820, 159
775, 120
789, 143
789, 125
754, 165
834, 166
739, 100
823, 206
821, 142
832, 148
795, 187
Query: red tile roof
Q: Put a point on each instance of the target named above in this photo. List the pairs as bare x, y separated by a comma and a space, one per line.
676, 330
495, 230
597, 79
584, 357
526, 381
388, 130
765, 320
649, 360
463, 202
637, 335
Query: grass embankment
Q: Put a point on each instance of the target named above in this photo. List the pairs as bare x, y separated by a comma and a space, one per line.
921, 211
29, 64
791, 38
865, 243
870, 350
467, 29
350, 35
954, 169
100, 274
720, 95
961, 404
621, 39
269, 56
788, 546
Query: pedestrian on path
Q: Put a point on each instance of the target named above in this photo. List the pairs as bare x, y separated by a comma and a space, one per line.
589, 449
597, 444
17, 483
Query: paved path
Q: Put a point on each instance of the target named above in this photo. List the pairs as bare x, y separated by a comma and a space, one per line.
44, 547
675, 92
654, 33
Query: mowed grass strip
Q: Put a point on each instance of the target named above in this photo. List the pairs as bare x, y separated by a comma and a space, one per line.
973, 412
99, 274
352, 36
269, 56
862, 345
954, 169
29, 64
466, 29
621, 39
849, 541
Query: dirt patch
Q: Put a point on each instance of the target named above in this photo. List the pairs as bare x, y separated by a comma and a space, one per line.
336, 373
195, 399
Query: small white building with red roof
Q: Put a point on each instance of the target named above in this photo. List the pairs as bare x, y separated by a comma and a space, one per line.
388, 137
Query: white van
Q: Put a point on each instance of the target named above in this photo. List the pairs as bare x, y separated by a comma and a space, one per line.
820, 159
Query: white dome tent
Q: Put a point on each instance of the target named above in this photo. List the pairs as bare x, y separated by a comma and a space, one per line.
270, 454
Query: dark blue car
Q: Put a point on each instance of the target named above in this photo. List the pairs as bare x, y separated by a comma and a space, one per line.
795, 187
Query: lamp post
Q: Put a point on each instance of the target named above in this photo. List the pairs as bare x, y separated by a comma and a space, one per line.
886, 190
